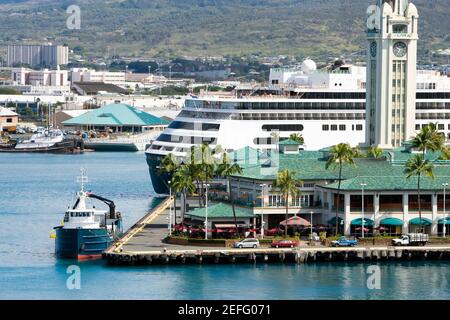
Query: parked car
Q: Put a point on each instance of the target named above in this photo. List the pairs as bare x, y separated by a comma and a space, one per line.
283, 244
247, 243
20, 131
411, 239
344, 242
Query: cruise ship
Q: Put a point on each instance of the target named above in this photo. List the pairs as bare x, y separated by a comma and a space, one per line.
326, 106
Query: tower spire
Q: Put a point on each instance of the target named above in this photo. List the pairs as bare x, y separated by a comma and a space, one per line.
391, 75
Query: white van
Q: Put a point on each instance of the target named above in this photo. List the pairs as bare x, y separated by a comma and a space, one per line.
247, 243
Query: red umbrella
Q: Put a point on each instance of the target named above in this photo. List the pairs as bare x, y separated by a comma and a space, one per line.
295, 221
360, 229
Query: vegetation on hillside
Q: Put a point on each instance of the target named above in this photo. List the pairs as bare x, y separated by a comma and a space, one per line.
172, 28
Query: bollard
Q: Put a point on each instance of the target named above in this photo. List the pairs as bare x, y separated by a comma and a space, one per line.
360, 254
148, 259
391, 253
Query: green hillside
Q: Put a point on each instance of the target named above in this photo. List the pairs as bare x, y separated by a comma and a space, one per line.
146, 28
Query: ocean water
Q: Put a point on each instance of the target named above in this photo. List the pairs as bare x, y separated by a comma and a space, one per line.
37, 188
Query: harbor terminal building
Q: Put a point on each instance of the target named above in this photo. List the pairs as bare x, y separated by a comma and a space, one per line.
390, 199
118, 117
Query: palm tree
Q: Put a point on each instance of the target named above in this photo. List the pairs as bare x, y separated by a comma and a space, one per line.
168, 166
429, 139
297, 138
227, 169
357, 153
182, 182
374, 152
338, 156
286, 184
445, 154
417, 166
201, 164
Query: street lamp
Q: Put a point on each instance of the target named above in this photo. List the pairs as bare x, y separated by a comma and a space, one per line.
206, 212
443, 220
170, 208
362, 208
262, 209
311, 230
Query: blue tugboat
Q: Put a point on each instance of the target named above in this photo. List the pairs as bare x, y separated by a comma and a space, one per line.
87, 232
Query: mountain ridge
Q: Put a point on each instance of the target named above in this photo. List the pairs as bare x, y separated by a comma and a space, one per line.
147, 28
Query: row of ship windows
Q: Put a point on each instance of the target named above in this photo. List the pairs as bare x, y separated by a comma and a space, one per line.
300, 105
432, 116
298, 116
201, 126
341, 127
440, 126
294, 116
270, 116
312, 106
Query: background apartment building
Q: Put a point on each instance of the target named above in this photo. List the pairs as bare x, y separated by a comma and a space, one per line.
38, 55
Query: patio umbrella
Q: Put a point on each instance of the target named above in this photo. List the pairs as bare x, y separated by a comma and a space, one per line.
359, 229
295, 221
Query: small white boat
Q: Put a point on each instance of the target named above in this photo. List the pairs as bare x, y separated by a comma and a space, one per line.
42, 140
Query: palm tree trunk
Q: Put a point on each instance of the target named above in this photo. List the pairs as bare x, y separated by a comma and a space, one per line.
338, 198
175, 208
287, 212
233, 208
419, 203
183, 212
198, 193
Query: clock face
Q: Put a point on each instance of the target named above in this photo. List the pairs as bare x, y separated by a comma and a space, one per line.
400, 49
373, 49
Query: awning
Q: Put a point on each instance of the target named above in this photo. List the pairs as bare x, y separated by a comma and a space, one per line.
296, 221
358, 222
332, 221
391, 222
416, 222
447, 221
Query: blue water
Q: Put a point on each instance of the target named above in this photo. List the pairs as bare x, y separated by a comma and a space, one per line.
36, 189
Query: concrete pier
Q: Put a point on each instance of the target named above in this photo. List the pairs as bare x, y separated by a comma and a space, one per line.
142, 245
266, 255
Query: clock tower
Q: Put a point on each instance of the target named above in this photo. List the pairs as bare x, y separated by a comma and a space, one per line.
391, 73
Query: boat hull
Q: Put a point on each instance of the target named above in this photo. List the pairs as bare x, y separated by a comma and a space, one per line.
159, 181
104, 146
65, 146
81, 244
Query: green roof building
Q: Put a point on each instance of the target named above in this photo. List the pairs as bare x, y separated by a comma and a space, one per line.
220, 215
117, 117
389, 197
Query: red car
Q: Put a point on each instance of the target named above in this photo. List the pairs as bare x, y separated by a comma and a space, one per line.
283, 244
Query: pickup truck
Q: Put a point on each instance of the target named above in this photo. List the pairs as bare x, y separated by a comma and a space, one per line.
411, 239
344, 242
